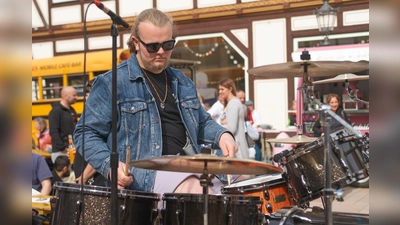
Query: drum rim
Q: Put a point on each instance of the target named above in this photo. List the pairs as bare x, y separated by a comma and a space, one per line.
104, 191
199, 198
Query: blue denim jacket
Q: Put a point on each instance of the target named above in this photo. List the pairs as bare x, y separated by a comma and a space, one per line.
138, 125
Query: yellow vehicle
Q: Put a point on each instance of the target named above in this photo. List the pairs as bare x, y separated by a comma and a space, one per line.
50, 75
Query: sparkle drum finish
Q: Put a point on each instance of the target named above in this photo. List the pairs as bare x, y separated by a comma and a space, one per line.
134, 207
305, 172
188, 209
272, 190
305, 165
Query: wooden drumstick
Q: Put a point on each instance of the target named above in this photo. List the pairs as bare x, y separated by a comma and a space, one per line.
128, 156
229, 179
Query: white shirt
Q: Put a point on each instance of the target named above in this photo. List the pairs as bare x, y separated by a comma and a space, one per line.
256, 118
216, 111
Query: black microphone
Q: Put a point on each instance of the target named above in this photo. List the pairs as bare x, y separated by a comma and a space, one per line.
279, 155
117, 19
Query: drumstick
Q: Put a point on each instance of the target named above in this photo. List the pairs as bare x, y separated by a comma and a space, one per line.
128, 156
229, 180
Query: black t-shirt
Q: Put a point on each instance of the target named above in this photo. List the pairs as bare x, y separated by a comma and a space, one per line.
173, 130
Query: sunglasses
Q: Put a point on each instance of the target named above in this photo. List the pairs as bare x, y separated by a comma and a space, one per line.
154, 47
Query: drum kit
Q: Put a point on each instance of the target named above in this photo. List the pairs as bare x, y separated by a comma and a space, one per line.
316, 168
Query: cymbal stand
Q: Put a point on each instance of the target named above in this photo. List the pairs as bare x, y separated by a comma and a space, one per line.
328, 192
205, 182
353, 93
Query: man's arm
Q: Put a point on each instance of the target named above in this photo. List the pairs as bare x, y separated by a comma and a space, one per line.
87, 173
46, 187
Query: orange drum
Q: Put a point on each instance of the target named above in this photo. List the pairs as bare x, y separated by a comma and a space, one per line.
272, 190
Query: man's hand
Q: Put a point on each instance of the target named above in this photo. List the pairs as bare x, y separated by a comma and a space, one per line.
123, 180
228, 145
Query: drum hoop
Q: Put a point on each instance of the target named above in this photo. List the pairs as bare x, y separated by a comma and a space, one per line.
104, 191
252, 187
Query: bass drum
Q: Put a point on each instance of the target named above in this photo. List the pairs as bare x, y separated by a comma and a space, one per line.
298, 216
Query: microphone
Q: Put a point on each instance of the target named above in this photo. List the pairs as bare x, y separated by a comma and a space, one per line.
116, 19
279, 155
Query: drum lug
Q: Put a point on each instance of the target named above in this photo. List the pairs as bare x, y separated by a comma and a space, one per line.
178, 214
229, 218
78, 210
266, 194
268, 206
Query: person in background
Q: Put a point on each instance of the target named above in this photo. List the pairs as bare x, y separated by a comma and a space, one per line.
62, 169
255, 119
334, 101
217, 109
44, 138
158, 113
292, 115
233, 119
201, 99
62, 120
41, 175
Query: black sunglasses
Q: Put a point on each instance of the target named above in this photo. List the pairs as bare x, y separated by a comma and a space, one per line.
154, 47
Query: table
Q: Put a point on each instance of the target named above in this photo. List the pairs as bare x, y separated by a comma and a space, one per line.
266, 149
42, 208
46, 155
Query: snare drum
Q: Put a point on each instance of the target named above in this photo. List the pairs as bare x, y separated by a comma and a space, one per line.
188, 209
271, 189
134, 207
305, 172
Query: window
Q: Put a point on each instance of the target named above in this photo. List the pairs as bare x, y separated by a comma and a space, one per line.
77, 81
35, 90
52, 87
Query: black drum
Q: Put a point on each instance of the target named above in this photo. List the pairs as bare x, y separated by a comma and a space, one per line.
188, 209
305, 172
354, 153
298, 216
135, 207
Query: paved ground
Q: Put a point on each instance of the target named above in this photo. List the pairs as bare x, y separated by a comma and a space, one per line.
356, 200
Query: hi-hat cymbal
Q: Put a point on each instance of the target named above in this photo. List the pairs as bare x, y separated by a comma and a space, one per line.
215, 165
298, 139
343, 78
314, 69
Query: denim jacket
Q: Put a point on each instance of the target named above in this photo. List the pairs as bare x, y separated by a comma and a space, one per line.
138, 125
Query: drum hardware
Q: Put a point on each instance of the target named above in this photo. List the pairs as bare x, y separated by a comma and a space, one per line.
297, 139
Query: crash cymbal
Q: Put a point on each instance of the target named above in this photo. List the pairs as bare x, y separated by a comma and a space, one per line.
343, 78
215, 165
298, 139
315, 69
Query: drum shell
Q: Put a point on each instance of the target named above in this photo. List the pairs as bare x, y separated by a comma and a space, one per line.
271, 189
352, 149
134, 207
188, 209
306, 174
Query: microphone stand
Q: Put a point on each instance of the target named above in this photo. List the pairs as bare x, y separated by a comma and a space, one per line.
114, 154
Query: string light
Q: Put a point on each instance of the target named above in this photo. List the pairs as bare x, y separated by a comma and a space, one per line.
212, 50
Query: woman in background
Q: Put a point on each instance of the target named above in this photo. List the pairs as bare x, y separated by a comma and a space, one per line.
234, 116
334, 101
44, 138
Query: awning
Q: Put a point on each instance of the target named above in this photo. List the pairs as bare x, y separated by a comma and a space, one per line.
354, 53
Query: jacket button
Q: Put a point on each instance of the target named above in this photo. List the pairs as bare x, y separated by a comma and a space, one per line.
156, 121
133, 108
157, 147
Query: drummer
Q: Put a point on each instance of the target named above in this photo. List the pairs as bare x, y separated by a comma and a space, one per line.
158, 113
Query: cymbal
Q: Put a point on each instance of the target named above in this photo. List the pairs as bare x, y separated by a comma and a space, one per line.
315, 69
215, 165
343, 78
297, 139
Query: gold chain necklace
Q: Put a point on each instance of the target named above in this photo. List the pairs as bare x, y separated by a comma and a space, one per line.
162, 102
